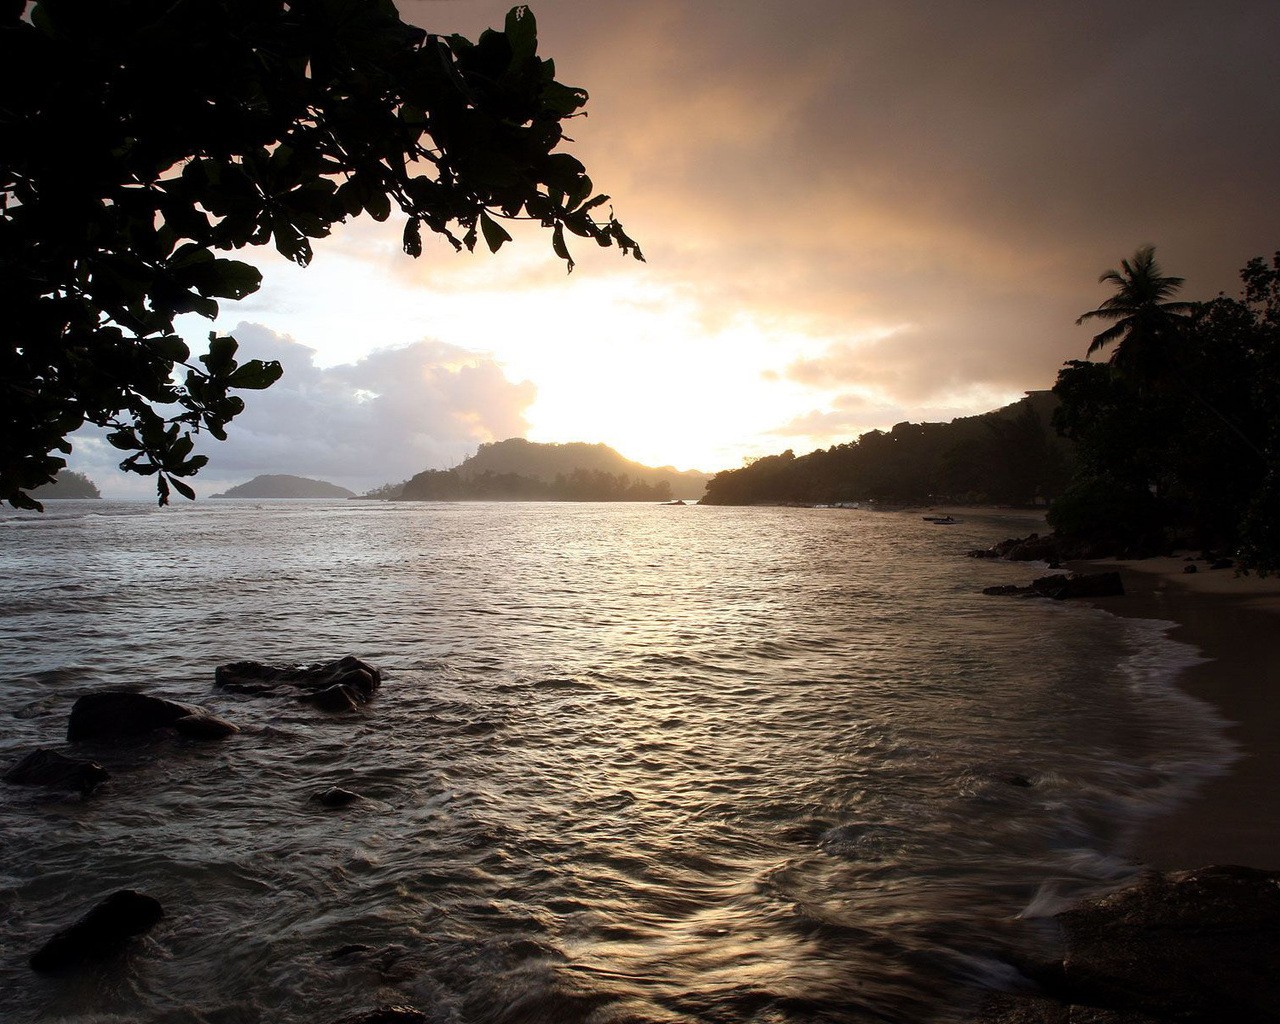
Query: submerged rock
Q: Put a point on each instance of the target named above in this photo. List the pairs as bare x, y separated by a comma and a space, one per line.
1190, 946
342, 685
101, 933
121, 714
336, 796
57, 771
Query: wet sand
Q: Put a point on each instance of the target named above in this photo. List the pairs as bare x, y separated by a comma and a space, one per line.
1233, 818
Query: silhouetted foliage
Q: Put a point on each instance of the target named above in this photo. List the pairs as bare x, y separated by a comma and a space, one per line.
138, 138
1008, 457
1183, 445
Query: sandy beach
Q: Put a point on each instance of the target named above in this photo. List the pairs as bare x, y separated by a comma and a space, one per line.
1234, 620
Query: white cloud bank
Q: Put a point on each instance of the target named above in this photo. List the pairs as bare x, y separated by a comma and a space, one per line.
391, 414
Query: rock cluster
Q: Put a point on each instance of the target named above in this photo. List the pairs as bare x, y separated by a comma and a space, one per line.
115, 716
1061, 587
342, 685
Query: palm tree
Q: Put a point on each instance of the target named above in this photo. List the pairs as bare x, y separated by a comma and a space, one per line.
1148, 328
1147, 324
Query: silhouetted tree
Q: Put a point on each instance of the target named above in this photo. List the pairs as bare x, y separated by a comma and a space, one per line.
1147, 322
138, 138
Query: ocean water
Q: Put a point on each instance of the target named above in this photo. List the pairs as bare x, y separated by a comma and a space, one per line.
629, 763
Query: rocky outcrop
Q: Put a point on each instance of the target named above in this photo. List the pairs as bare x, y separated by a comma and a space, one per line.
125, 714
1062, 587
101, 933
1196, 947
342, 685
52, 770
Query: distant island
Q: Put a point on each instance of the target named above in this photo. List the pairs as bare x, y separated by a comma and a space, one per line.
67, 484
520, 470
280, 485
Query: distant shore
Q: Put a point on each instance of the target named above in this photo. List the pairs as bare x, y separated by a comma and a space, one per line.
1233, 818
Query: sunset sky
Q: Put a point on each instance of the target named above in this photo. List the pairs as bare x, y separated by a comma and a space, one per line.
854, 213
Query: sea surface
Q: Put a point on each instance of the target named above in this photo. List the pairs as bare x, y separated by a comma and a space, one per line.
629, 763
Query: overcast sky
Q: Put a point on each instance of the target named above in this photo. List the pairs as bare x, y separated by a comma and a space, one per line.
854, 213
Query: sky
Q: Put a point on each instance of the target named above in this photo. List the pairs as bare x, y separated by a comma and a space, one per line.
853, 214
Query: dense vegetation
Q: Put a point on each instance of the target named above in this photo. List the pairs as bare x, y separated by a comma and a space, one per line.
140, 138
1010, 456
68, 484
516, 469
579, 485
1178, 435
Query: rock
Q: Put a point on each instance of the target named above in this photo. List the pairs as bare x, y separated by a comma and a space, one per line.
335, 698
341, 685
120, 714
101, 933
386, 1015
1076, 585
1191, 946
1005, 589
57, 771
1190, 569
336, 796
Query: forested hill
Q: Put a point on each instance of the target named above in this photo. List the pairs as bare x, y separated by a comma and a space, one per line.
67, 484
517, 469
1009, 456
281, 485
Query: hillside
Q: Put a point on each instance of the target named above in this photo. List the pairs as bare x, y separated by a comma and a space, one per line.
282, 485
1010, 456
517, 469
67, 484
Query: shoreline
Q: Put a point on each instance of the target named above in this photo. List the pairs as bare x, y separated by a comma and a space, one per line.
1234, 622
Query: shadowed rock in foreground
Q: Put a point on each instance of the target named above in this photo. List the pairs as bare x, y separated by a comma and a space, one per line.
101, 933
342, 685
124, 714
52, 770
1196, 947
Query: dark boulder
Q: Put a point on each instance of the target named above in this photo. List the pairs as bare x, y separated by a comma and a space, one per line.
1079, 585
336, 796
101, 933
57, 771
341, 685
1006, 590
1192, 946
122, 714
1190, 569
340, 697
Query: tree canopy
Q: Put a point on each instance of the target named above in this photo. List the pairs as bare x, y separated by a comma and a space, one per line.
141, 138
1186, 452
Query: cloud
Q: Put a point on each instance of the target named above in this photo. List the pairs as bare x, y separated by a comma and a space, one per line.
381, 419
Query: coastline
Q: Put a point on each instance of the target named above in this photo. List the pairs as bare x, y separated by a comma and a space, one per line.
1234, 621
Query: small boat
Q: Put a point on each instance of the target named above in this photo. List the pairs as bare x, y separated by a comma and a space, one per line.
940, 520
673, 501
